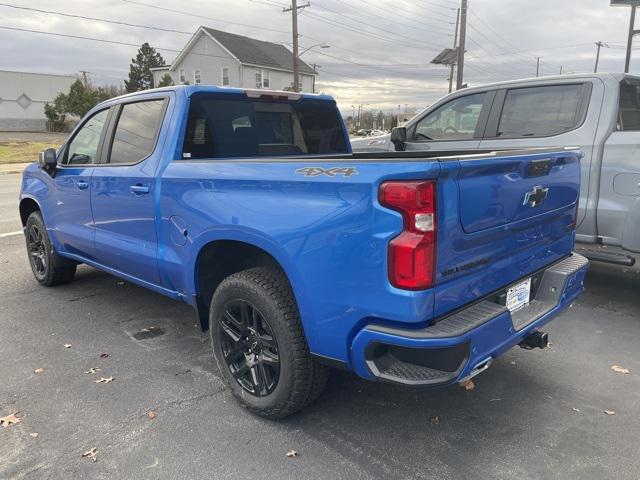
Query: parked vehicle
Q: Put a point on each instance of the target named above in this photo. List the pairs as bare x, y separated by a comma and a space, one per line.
599, 113
417, 269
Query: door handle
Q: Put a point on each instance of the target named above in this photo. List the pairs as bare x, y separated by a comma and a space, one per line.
83, 185
139, 189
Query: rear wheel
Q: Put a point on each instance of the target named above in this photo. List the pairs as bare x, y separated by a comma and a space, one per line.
49, 268
259, 344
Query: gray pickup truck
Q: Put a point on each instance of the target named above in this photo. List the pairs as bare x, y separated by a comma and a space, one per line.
599, 113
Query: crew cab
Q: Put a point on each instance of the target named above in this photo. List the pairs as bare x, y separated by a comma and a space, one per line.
412, 268
599, 113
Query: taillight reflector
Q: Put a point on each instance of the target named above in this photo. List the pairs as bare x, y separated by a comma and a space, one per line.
411, 256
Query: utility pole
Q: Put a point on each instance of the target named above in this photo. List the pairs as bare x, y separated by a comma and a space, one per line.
294, 24
461, 44
537, 66
632, 32
315, 66
599, 45
85, 80
561, 69
455, 44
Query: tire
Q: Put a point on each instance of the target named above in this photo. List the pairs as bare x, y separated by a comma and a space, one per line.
254, 321
47, 266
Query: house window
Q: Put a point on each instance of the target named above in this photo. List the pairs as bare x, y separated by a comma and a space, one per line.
183, 76
225, 75
259, 79
265, 78
196, 77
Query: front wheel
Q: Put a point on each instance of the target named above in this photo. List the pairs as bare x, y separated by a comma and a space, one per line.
259, 344
48, 267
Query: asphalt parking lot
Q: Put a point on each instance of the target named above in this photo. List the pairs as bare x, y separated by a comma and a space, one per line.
532, 415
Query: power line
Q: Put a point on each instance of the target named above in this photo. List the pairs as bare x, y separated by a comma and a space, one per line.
198, 15
320, 18
83, 17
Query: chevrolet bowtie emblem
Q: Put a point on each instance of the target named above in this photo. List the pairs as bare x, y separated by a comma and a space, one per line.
536, 197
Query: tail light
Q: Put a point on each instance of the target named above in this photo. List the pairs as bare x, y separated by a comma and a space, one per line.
412, 253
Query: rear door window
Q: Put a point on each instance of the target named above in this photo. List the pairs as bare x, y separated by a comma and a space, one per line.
226, 128
629, 108
541, 111
136, 131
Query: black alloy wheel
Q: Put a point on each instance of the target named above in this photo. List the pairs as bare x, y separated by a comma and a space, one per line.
249, 347
37, 250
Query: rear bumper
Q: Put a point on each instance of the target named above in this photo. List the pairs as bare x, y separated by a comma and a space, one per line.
465, 342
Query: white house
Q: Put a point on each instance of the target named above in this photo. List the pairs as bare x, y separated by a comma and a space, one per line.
22, 98
215, 57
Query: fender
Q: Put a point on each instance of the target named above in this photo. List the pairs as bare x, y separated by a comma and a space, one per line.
259, 240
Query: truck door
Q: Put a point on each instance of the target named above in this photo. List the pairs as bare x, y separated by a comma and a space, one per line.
619, 203
457, 124
122, 191
555, 113
71, 221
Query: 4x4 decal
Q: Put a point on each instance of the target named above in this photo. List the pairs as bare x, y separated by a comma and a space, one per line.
329, 172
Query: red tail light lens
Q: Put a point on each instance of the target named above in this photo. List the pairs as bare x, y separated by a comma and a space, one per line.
412, 253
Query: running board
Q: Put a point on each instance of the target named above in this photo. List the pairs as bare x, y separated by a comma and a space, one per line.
608, 257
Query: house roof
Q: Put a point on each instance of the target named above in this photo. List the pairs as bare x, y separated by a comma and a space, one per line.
257, 52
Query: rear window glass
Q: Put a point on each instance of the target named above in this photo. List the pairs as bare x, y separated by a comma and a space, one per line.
629, 109
541, 111
135, 134
223, 128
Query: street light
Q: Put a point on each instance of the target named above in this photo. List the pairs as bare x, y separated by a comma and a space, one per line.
321, 45
632, 31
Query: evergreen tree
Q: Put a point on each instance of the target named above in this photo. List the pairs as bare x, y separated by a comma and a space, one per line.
166, 81
140, 76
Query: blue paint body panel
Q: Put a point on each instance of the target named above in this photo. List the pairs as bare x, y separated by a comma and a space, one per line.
329, 234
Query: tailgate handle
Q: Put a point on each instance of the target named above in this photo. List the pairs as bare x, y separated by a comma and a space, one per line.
539, 168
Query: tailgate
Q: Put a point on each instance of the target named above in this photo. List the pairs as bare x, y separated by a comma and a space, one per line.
507, 215
500, 191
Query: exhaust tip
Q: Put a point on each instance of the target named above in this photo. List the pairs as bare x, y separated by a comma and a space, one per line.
535, 340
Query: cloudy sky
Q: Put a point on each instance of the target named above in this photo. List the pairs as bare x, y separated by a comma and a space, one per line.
380, 50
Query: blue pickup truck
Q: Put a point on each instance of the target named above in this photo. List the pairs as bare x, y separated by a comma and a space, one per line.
298, 255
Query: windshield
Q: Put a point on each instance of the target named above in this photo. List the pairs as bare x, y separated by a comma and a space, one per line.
220, 127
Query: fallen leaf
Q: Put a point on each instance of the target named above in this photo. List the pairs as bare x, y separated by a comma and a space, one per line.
34, 434
609, 412
10, 419
67, 345
104, 355
92, 370
151, 414
104, 380
91, 454
468, 385
575, 409
435, 420
38, 370
513, 363
619, 369
292, 453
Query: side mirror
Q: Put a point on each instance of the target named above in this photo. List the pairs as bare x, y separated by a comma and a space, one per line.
399, 138
48, 160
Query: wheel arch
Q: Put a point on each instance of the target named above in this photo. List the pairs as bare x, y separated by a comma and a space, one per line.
219, 258
27, 206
